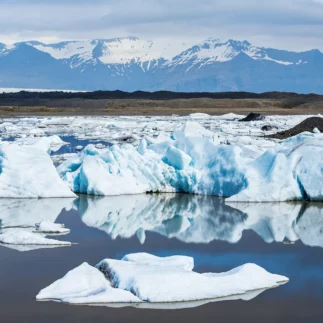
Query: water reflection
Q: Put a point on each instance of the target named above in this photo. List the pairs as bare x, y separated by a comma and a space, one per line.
27, 212
178, 305
201, 219
18, 218
188, 218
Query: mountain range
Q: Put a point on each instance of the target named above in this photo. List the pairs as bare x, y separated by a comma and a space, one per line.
131, 64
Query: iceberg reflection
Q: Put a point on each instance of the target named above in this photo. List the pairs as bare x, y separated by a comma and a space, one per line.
188, 218
201, 219
19, 219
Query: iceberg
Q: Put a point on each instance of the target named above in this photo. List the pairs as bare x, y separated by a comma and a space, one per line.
198, 161
231, 161
51, 228
292, 170
190, 161
28, 172
153, 280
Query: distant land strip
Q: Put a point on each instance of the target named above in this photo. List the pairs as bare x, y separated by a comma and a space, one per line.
157, 103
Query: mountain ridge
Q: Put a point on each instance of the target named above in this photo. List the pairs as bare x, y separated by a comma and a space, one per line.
131, 64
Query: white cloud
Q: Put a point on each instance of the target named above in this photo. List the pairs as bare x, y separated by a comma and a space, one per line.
292, 24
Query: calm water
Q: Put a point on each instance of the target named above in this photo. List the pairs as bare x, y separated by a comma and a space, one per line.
218, 236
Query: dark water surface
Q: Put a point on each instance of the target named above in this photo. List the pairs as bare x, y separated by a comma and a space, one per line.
219, 238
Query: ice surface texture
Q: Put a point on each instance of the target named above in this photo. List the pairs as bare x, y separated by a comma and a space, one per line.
192, 160
146, 278
27, 172
23, 237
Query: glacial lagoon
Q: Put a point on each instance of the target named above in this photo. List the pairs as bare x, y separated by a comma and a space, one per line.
284, 238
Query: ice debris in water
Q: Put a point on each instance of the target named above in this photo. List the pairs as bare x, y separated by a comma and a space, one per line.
145, 278
51, 228
190, 159
24, 237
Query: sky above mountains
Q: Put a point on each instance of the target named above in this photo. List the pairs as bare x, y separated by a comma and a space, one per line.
286, 24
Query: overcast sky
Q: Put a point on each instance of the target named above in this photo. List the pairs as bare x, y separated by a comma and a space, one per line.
289, 24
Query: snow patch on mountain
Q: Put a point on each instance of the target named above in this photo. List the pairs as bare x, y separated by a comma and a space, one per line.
134, 50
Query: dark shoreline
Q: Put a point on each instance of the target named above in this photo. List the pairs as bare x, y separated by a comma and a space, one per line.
115, 103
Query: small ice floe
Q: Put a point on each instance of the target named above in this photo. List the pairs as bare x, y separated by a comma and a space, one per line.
146, 281
51, 228
62, 157
99, 146
79, 147
199, 115
24, 237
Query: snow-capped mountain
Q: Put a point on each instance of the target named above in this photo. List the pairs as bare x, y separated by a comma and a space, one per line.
134, 64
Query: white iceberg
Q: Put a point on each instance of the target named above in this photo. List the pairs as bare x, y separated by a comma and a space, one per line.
28, 172
196, 160
51, 228
155, 281
160, 284
231, 160
190, 162
85, 284
290, 171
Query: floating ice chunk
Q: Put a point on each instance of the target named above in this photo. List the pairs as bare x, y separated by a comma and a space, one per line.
216, 170
196, 160
99, 146
191, 129
231, 117
24, 237
51, 228
47, 144
186, 263
28, 172
37, 132
199, 115
85, 285
152, 283
177, 158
